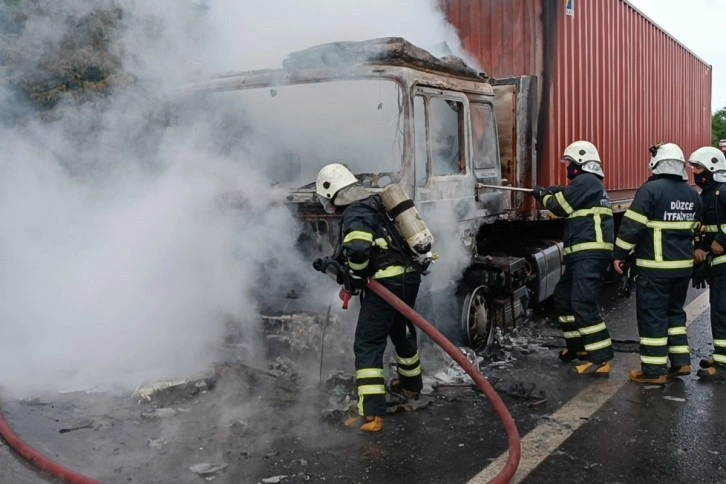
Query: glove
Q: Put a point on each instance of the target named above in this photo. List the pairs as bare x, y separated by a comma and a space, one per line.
539, 192
330, 266
356, 282
625, 282
556, 189
701, 274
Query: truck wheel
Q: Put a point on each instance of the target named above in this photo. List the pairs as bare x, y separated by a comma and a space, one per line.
477, 325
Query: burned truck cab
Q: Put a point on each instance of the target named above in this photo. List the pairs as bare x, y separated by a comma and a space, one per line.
393, 113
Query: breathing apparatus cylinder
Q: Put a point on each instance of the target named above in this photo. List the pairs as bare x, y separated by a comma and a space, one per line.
402, 210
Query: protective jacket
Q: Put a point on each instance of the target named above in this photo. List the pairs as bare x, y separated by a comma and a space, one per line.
589, 228
369, 245
713, 222
660, 225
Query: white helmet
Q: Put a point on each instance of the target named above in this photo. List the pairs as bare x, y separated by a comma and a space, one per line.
668, 159
584, 154
712, 159
331, 179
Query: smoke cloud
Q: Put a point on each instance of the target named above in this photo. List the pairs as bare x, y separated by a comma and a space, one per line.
122, 259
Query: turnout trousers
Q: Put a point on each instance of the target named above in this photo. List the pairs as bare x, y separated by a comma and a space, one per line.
576, 302
662, 323
377, 321
717, 298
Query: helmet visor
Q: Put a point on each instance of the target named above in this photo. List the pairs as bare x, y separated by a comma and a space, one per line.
327, 204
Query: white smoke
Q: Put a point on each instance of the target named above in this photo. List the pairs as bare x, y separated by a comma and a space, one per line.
119, 262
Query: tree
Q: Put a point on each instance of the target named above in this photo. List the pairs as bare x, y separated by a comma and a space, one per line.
718, 126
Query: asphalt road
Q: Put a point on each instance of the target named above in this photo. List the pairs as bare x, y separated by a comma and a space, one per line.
573, 429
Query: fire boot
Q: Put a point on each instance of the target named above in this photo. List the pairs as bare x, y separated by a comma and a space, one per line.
569, 355
401, 394
712, 373
639, 377
707, 362
367, 424
590, 367
682, 370
373, 424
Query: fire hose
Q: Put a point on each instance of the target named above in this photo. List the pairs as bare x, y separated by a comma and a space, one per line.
514, 453
34, 457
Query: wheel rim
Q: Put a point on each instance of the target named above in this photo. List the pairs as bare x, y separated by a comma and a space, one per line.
477, 325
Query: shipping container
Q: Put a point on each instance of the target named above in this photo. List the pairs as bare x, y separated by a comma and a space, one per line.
605, 73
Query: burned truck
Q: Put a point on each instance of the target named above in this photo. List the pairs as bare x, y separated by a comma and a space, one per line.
394, 113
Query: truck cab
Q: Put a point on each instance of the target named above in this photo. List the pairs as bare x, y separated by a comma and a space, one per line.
393, 113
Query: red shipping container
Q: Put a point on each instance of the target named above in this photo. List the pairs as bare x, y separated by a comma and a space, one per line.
606, 73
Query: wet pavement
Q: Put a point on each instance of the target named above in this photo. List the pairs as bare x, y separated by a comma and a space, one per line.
262, 429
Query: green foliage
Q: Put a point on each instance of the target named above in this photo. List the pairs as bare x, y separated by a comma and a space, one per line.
718, 126
75, 60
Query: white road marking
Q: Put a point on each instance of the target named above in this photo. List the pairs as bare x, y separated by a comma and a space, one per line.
547, 437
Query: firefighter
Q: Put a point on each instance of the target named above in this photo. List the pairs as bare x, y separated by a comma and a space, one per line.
709, 168
659, 227
367, 249
588, 246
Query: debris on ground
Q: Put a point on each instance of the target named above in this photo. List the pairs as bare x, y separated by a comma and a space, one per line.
163, 412
274, 479
302, 332
205, 469
192, 386
156, 443
83, 424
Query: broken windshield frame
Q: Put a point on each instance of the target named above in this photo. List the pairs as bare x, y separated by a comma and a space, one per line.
288, 132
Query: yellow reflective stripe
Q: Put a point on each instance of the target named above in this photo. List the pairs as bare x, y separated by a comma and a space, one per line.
408, 361
583, 212
678, 349
719, 358
677, 330
654, 360
358, 235
658, 244
666, 225
415, 372
588, 246
546, 198
633, 215
371, 390
721, 343
624, 245
713, 228
560, 197
566, 319
718, 260
653, 341
381, 242
598, 228
593, 329
392, 271
358, 267
369, 373
664, 264
571, 334
599, 345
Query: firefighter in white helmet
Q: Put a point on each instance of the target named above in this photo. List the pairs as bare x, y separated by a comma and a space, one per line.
709, 173
369, 248
659, 227
588, 246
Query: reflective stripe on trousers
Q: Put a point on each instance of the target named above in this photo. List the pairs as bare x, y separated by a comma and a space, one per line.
662, 323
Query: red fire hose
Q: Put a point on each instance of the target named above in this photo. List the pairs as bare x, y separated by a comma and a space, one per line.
41, 461
506, 474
